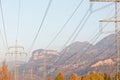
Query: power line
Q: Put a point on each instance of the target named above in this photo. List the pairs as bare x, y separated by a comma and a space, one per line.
103, 7
102, 51
92, 40
18, 23
64, 25
116, 36
96, 36
87, 19
116, 22
40, 27
83, 18
49, 4
82, 25
15, 50
3, 22
88, 46
114, 15
2, 38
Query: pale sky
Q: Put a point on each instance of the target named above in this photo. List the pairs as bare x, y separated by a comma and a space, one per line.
31, 14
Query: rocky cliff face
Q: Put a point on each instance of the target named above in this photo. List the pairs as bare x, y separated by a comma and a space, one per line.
42, 54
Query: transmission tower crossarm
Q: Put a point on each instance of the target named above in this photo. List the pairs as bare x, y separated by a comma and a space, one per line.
109, 20
16, 46
105, 0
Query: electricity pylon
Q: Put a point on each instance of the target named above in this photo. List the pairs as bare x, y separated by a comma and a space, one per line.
44, 72
116, 29
23, 74
31, 71
16, 50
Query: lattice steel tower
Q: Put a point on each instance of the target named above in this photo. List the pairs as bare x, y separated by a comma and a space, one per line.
16, 50
116, 29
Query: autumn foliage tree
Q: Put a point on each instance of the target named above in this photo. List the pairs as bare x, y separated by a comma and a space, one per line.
74, 77
89, 76
4, 72
60, 76
117, 76
49, 78
107, 77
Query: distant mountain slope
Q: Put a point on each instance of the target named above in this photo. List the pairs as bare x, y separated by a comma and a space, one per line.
75, 58
73, 52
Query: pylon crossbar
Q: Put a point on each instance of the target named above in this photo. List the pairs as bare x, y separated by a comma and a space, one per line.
109, 20
105, 0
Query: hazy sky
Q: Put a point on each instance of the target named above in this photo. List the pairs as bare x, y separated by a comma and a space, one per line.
32, 12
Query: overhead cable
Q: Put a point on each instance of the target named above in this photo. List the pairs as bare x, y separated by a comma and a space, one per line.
18, 23
3, 22
64, 25
41, 24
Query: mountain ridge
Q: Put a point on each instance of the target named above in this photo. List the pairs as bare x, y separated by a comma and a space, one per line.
78, 57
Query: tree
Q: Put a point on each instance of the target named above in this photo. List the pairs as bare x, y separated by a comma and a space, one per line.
4, 72
93, 76
106, 77
79, 78
60, 76
117, 76
73, 77
96, 76
49, 78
